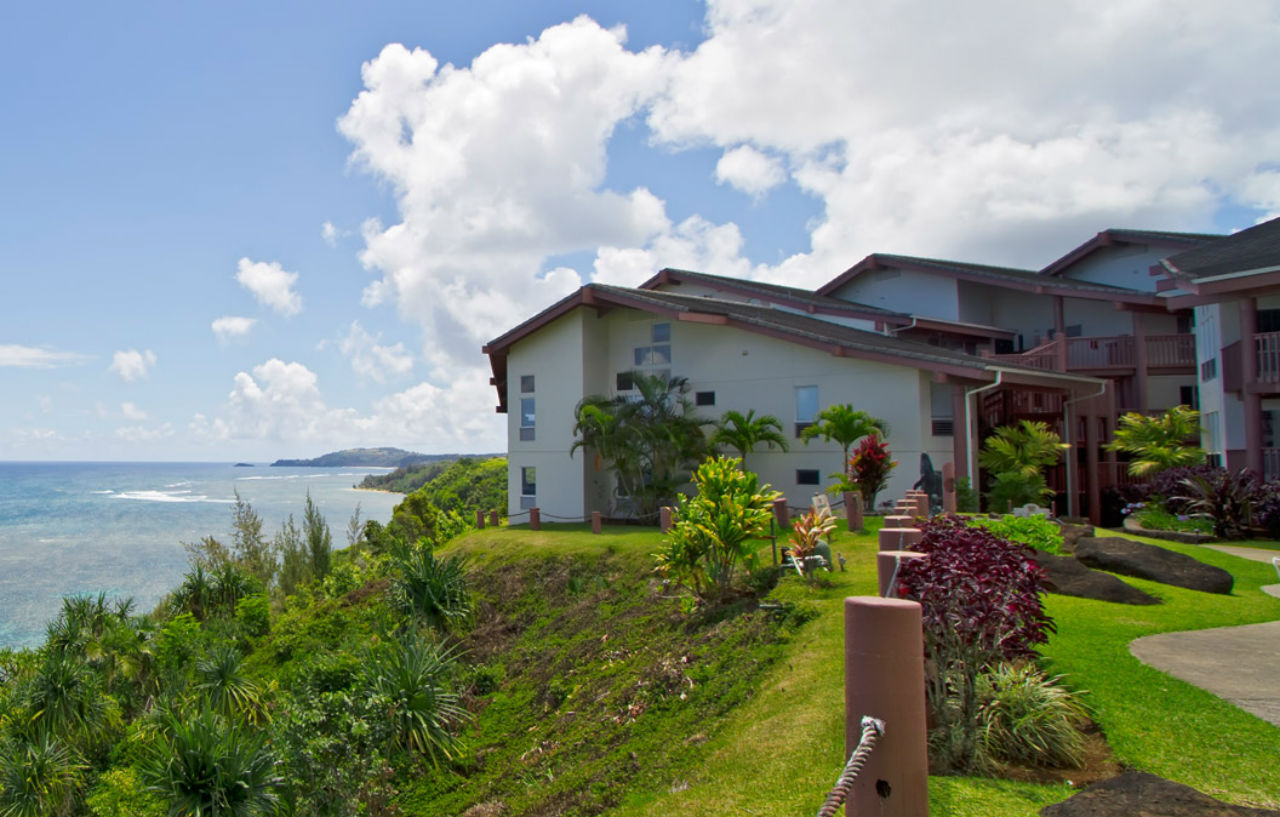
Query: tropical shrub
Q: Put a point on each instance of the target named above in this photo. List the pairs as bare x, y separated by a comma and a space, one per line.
807, 531
846, 425
1028, 718
712, 530
870, 467
1223, 497
1156, 517
1266, 511
743, 432
409, 682
38, 776
1016, 457
432, 588
966, 496
980, 599
1035, 532
1157, 444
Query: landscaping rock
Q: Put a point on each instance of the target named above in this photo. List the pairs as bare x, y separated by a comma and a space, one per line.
1156, 564
1068, 577
1139, 794
1072, 533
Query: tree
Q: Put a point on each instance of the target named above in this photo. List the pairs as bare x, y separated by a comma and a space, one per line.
318, 538
1016, 455
650, 441
743, 432
210, 766
295, 567
250, 549
846, 425
409, 682
1157, 444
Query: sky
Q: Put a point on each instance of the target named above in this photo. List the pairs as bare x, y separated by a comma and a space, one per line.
247, 230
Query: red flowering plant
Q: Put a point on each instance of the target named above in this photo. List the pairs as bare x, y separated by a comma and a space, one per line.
980, 600
868, 470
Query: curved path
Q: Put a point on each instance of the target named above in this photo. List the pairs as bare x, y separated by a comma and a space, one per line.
1241, 664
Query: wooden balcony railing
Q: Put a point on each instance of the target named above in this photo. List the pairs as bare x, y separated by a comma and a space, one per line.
1113, 353
1268, 345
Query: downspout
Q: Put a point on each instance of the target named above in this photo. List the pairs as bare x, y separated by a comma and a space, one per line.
968, 425
1066, 428
912, 325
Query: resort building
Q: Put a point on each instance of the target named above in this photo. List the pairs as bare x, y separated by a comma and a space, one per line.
943, 350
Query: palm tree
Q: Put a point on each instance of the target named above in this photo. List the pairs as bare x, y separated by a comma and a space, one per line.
1159, 443
743, 432
1016, 456
409, 680
207, 765
37, 777
230, 692
846, 425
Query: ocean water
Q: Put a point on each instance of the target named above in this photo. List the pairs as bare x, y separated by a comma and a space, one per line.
119, 528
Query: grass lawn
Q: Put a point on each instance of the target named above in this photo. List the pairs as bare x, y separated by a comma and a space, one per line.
779, 753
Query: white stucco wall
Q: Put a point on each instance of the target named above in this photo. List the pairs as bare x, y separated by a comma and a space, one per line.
1030, 315
581, 353
1096, 318
916, 293
1122, 265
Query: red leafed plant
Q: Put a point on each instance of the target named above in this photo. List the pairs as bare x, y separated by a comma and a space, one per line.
870, 467
980, 599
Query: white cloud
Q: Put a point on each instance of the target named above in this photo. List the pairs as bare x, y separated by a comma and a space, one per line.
143, 434
329, 233
281, 402
271, 285
230, 327
371, 360
132, 365
36, 357
131, 412
749, 170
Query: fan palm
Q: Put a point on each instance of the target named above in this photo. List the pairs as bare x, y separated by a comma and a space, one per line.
846, 425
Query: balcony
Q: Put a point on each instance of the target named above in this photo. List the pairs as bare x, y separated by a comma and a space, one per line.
1118, 354
1268, 346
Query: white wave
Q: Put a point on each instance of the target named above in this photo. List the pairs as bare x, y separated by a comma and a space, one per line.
103, 493
169, 496
178, 484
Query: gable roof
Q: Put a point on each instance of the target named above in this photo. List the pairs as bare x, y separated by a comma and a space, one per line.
835, 339
796, 297
1005, 277
1249, 252
1116, 235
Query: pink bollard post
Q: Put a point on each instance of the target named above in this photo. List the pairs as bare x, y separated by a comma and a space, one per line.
664, 518
781, 512
535, 519
853, 510
493, 519
884, 679
597, 521
899, 521
480, 520
948, 487
899, 538
887, 562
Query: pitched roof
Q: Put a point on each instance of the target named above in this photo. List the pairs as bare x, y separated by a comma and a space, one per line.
1007, 277
1250, 251
805, 299
836, 339
1120, 235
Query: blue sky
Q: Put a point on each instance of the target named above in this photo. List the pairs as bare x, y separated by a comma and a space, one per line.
359, 217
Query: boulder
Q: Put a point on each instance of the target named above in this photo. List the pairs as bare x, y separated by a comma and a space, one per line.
1130, 558
1071, 533
1068, 577
1139, 794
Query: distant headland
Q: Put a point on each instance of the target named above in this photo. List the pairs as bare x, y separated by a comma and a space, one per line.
375, 457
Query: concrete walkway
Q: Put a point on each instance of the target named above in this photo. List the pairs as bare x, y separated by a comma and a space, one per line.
1240, 664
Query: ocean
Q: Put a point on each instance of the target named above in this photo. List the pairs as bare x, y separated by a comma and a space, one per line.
72, 528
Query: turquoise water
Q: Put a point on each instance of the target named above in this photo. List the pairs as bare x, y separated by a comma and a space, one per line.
70, 528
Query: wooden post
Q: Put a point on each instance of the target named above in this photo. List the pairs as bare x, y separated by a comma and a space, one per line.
781, 513
899, 538
664, 518
597, 521
884, 678
493, 519
535, 519
887, 562
948, 487
480, 520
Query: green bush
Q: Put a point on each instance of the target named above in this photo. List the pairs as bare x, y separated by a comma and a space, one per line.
254, 614
1028, 718
1033, 531
1157, 518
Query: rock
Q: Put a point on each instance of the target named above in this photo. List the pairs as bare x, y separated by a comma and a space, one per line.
1068, 577
1139, 794
1072, 533
1157, 564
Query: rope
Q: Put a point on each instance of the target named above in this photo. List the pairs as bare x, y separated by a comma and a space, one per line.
872, 730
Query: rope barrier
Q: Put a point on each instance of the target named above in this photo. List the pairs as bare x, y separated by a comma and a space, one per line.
872, 730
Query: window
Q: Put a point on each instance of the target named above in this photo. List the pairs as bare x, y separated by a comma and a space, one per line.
704, 398
806, 407
528, 487
661, 333
1075, 330
1209, 370
942, 411
526, 384
807, 476
1189, 396
658, 353
623, 382
527, 419
1212, 425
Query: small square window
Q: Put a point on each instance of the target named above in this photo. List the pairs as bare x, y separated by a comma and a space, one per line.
660, 355
526, 383
642, 355
622, 381
528, 434
528, 481
808, 476
661, 333
704, 398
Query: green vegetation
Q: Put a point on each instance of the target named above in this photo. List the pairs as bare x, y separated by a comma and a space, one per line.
405, 479
1016, 456
375, 457
1157, 444
1037, 532
846, 425
519, 672
743, 432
